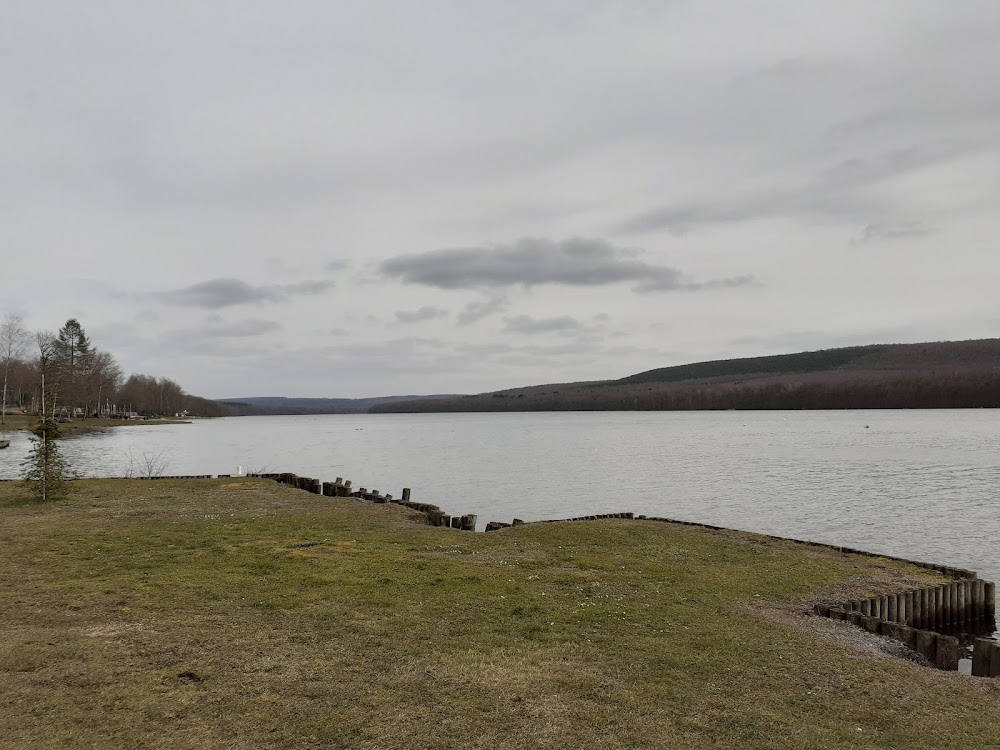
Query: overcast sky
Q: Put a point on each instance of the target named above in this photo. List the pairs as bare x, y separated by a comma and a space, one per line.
371, 198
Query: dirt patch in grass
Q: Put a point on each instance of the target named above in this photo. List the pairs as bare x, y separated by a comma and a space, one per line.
224, 613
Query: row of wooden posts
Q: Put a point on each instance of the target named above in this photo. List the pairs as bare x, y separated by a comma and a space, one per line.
957, 603
943, 651
912, 617
342, 488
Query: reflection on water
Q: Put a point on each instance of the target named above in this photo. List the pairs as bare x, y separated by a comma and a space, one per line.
918, 484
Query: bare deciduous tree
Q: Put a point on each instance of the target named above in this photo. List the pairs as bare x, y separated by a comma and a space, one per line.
13, 343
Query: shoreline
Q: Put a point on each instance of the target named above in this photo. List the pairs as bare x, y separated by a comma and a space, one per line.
22, 423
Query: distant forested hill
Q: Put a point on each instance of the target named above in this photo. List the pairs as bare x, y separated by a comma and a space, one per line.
949, 374
282, 405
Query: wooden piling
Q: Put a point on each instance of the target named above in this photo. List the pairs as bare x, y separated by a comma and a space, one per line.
949, 650
892, 613
982, 650
978, 608
469, 522
989, 598
925, 644
906, 616
406, 494
960, 588
872, 624
906, 634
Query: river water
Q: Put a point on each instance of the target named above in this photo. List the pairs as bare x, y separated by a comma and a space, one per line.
917, 484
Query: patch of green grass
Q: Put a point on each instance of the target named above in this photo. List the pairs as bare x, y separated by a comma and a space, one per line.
230, 613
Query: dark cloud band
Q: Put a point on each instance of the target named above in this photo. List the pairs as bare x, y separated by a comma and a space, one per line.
227, 292
532, 261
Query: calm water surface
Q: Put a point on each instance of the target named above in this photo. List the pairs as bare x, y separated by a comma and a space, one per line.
918, 484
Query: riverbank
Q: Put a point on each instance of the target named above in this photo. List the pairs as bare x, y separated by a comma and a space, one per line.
17, 422
202, 614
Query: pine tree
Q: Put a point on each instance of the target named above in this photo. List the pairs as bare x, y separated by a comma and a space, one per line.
73, 357
46, 472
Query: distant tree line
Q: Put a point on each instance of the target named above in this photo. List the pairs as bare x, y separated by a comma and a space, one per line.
952, 389
82, 381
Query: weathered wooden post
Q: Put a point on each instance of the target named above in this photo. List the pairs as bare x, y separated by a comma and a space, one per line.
406, 494
316, 487
978, 608
963, 612
989, 598
925, 644
948, 652
982, 650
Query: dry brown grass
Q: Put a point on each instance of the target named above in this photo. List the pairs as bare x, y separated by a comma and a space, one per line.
244, 614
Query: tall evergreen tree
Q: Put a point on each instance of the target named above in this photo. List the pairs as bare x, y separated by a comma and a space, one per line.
73, 356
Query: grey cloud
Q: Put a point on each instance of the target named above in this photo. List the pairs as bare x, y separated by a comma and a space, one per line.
228, 292
530, 325
477, 310
882, 232
533, 260
848, 190
427, 312
336, 265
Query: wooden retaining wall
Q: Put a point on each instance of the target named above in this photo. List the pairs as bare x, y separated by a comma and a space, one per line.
906, 616
342, 488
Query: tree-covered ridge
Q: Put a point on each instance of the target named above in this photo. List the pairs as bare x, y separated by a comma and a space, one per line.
950, 374
817, 361
976, 353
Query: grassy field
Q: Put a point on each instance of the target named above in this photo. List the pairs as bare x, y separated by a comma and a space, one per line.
244, 614
22, 422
